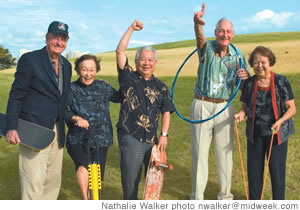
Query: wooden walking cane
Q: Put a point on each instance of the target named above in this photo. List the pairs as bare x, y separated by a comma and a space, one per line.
241, 159
94, 169
267, 166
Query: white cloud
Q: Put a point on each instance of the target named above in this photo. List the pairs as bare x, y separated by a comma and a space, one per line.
137, 42
164, 32
39, 34
179, 20
9, 36
264, 15
155, 22
9, 4
269, 17
83, 26
14, 3
164, 21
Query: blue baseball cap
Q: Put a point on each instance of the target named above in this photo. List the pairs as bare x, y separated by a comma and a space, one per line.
57, 27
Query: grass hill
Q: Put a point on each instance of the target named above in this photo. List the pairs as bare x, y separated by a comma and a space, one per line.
285, 45
238, 39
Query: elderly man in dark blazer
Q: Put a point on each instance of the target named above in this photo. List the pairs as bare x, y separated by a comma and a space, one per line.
38, 94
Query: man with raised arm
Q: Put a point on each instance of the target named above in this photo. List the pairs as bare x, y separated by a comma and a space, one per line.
218, 70
144, 98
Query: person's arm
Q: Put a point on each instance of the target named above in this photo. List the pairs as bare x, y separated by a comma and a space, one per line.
165, 123
122, 46
291, 110
115, 96
198, 27
71, 117
18, 92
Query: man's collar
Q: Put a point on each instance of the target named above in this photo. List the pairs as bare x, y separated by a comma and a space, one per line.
141, 76
59, 57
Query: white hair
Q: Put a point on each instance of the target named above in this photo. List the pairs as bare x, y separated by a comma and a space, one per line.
147, 48
222, 20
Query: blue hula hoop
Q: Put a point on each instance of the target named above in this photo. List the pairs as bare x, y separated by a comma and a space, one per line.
225, 107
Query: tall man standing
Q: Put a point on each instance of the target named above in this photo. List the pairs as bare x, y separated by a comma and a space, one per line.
38, 94
217, 76
144, 98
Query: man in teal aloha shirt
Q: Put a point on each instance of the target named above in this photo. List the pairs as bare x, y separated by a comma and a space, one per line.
218, 72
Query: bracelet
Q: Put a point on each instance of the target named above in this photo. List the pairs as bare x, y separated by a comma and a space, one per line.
164, 134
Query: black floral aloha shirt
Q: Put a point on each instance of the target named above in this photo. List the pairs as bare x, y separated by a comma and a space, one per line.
142, 102
92, 104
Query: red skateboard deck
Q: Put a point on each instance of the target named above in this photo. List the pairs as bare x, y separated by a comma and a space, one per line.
155, 174
31, 135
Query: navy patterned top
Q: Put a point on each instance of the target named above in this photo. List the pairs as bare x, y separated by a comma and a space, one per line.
264, 116
92, 104
142, 103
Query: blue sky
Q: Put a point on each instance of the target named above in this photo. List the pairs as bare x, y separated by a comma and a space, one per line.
97, 25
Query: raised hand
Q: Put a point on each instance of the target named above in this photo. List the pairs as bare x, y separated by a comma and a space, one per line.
122, 46
198, 16
137, 25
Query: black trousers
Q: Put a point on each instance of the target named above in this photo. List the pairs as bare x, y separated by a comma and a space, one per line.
257, 153
133, 155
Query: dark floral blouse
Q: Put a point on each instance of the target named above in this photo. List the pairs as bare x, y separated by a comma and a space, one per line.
92, 104
283, 91
264, 116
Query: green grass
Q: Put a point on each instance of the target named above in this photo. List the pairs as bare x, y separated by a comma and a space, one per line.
177, 182
241, 38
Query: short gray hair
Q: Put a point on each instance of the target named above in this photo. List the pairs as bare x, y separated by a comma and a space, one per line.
147, 48
222, 20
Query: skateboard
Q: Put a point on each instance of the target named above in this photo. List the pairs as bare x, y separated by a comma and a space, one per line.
155, 174
94, 169
31, 135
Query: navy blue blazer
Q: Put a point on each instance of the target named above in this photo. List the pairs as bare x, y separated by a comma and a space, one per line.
34, 94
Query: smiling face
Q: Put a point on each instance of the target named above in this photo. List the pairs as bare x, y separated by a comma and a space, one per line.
146, 63
261, 66
87, 72
224, 33
56, 44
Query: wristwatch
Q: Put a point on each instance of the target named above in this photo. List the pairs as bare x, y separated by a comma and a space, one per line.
164, 134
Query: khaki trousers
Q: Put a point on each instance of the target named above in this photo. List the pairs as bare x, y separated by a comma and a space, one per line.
40, 172
221, 130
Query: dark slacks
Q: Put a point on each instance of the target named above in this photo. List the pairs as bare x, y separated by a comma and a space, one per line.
133, 154
257, 153
79, 155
